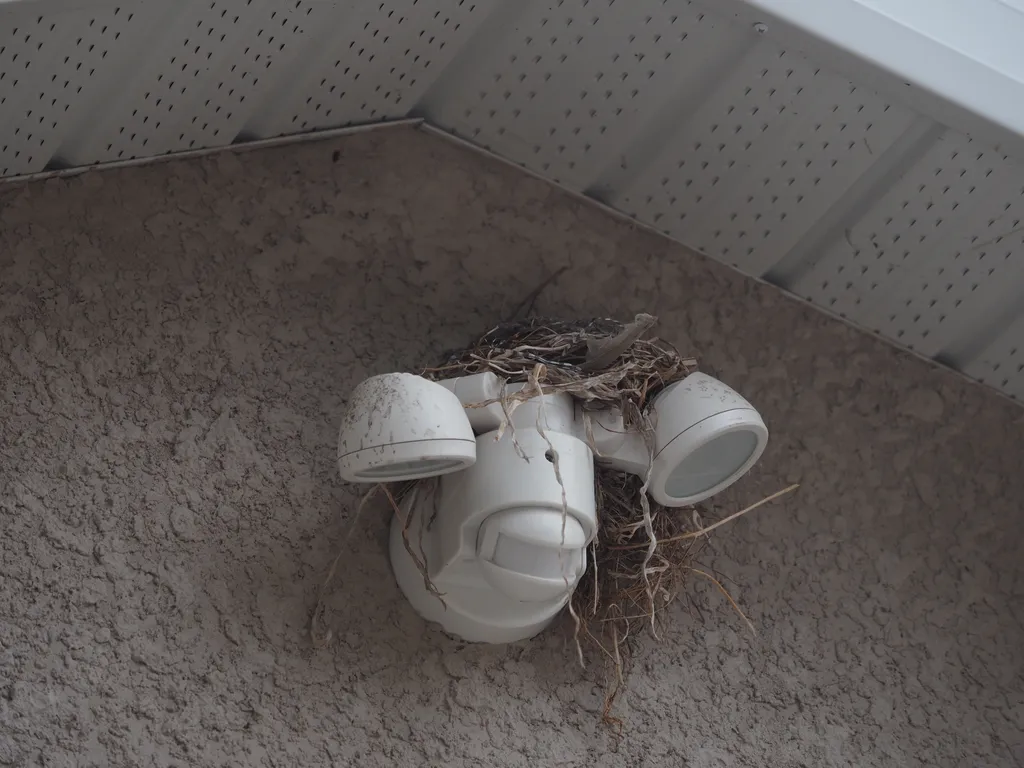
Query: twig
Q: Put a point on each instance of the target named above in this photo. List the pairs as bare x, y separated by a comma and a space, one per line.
613, 693
576, 634
534, 386
531, 298
421, 565
645, 507
710, 528
323, 639
728, 597
508, 405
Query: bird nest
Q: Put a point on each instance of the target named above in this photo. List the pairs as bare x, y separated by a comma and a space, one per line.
644, 553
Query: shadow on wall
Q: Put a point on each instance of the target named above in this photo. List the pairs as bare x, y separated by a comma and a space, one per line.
179, 341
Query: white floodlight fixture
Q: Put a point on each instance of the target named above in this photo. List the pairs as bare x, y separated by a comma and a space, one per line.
504, 537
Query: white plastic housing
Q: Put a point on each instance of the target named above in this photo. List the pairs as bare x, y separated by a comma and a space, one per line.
532, 555
497, 549
706, 437
473, 391
403, 427
607, 431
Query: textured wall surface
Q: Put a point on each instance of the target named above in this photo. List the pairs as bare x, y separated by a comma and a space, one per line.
177, 345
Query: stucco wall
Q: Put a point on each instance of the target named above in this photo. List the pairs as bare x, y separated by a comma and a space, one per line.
177, 345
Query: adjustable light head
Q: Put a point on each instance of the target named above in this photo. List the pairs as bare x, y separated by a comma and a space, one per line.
403, 427
706, 438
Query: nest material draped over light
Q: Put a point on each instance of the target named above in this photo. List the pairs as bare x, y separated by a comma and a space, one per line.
638, 562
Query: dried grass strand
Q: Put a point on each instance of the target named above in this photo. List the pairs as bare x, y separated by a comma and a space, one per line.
723, 521
421, 564
728, 597
322, 638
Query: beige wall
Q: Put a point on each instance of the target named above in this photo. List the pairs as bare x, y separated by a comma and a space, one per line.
177, 345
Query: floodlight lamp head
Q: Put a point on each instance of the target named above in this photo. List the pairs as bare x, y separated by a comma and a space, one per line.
706, 438
403, 427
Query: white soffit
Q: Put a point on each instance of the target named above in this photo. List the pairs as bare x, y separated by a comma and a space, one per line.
859, 153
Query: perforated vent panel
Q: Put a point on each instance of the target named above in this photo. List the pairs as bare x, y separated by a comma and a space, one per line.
759, 162
565, 90
194, 92
375, 65
933, 252
1001, 364
50, 68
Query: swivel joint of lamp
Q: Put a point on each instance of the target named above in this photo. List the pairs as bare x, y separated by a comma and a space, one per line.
505, 537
